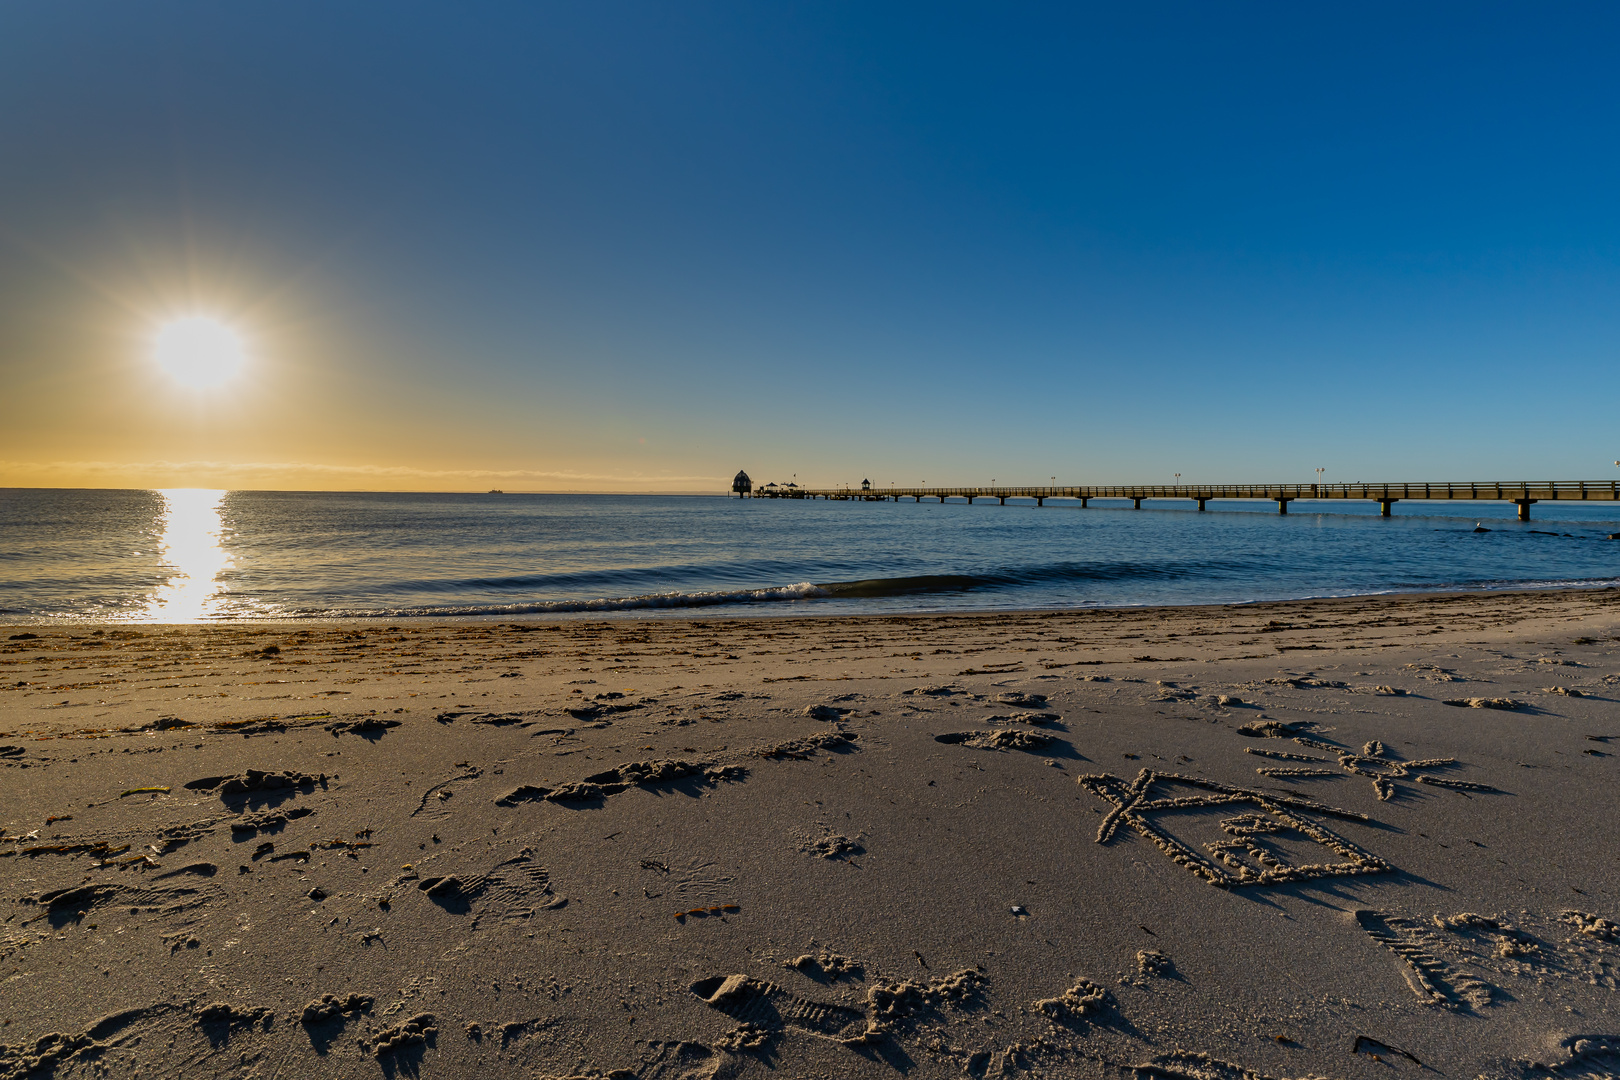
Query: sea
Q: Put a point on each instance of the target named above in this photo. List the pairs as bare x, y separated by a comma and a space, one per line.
191, 556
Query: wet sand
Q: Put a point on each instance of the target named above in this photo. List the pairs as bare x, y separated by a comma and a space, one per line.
1342, 838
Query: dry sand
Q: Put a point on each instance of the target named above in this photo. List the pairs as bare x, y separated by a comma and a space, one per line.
1203, 842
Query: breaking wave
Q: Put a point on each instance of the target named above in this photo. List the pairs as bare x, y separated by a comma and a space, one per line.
864, 589
802, 591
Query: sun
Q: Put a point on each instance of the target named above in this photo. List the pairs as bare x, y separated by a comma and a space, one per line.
199, 351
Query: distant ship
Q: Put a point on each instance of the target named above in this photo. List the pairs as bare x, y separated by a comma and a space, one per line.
496, 491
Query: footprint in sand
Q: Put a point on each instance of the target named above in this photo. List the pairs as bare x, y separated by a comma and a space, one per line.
436, 802
63, 906
1595, 926
1004, 739
1191, 1065
1154, 964
1431, 978
328, 1008
221, 1020
682, 1060
770, 1008
1585, 1057
1019, 699
1084, 1000
832, 847
688, 880
1508, 704
801, 749
150, 1027
1504, 940
1037, 719
825, 967
511, 891
765, 1007
403, 1042
255, 788
622, 778
1536, 946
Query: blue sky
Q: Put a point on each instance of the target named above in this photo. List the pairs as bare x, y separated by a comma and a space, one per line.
638, 246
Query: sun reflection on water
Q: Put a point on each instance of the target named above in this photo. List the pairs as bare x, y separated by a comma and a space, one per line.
192, 550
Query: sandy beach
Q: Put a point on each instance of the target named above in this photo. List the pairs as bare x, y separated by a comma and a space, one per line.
1338, 838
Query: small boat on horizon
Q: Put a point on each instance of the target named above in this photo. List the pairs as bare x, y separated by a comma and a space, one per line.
496, 491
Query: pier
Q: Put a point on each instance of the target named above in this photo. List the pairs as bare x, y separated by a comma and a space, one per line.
1523, 493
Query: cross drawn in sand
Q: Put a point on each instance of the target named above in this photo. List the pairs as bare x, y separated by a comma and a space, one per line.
1376, 762
1144, 801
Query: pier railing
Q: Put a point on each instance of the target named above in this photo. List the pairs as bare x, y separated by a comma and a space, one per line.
1522, 492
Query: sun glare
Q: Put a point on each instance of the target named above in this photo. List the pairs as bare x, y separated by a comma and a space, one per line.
199, 351
194, 554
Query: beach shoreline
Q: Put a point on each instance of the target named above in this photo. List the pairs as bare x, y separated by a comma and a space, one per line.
774, 610
1046, 843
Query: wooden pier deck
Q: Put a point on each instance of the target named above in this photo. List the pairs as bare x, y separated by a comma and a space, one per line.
1523, 493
